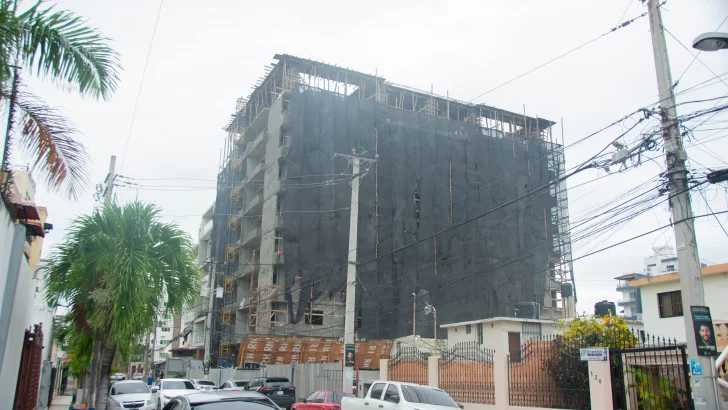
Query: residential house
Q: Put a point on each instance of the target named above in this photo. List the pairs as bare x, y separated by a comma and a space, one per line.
631, 302
662, 309
503, 334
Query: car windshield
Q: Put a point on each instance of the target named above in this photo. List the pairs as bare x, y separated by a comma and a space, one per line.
128, 388
278, 383
243, 404
335, 397
205, 383
241, 384
424, 395
177, 385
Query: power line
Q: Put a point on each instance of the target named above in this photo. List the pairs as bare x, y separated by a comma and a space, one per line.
626, 23
141, 84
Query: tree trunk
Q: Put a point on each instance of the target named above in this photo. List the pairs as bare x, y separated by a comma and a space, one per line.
104, 375
92, 375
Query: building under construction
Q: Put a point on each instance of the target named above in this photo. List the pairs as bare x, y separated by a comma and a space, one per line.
461, 204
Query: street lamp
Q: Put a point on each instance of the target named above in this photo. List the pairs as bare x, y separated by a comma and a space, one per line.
431, 309
712, 41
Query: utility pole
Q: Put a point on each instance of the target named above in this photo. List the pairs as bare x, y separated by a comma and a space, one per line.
414, 321
109, 189
691, 281
146, 359
350, 317
210, 306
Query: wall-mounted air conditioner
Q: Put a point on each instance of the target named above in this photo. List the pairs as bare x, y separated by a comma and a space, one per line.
639, 317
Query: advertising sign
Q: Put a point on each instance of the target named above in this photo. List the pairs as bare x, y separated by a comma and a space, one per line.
703, 329
350, 356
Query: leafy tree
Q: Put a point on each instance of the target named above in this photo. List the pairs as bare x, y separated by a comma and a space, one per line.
564, 364
114, 269
60, 46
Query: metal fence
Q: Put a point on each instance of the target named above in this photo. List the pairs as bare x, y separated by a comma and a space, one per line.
408, 365
466, 373
548, 372
649, 373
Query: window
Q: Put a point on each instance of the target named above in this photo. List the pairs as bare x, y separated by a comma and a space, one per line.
167, 317
314, 317
279, 204
480, 333
670, 304
427, 395
377, 390
164, 355
310, 398
178, 385
531, 331
320, 398
670, 268
276, 274
165, 329
467, 329
392, 394
278, 245
669, 260
652, 265
281, 170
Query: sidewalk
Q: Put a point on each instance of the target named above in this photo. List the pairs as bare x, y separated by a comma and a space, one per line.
61, 402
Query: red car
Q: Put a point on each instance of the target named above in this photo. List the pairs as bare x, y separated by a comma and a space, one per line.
321, 400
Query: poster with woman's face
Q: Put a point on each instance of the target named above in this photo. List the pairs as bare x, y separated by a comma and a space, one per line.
703, 327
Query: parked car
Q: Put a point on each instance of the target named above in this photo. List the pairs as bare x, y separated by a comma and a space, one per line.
219, 400
278, 389
117, 377
400, 396
130, 394
204, 385
322, 400
165, 390
236, 385
137, 376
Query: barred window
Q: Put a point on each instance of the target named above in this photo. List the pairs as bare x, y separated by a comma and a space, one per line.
670, 304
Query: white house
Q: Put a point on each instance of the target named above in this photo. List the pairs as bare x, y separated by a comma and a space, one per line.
664, 260
662, 310
503, 334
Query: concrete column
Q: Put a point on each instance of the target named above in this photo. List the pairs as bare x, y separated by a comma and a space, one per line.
433, 371
600, 385
501, 380
383, 369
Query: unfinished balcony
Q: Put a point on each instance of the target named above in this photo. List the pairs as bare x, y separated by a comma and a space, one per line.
251, 237
254, 204
256, 148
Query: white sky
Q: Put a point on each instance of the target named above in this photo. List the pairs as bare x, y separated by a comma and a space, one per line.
206, 54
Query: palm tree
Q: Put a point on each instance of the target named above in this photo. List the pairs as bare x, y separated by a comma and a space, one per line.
57, 45
115, 268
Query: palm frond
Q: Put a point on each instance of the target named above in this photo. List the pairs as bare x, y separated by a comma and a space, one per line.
48, 138
60, 45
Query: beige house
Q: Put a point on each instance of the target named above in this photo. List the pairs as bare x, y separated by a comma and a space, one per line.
503, 334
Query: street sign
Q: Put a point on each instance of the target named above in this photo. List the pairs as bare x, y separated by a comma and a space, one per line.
696, 368
594, 354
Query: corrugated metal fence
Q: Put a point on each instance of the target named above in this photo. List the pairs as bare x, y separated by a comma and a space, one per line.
306, 377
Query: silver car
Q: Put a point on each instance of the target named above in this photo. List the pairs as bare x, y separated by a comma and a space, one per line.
132, 394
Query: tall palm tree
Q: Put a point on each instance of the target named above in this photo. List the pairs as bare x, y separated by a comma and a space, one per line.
57, 45
115, 268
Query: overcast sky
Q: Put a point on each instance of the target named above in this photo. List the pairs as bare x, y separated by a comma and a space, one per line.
206, 54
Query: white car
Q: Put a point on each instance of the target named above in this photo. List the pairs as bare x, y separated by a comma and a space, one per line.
117, 377
389, 395
165, 390
130, 394
204, 385
234, 385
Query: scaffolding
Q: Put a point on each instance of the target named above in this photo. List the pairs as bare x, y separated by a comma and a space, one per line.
269, 303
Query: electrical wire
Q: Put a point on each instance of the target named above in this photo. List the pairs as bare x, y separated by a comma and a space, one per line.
141, 84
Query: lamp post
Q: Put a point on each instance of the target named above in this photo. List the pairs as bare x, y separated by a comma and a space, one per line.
431, 309
712, 41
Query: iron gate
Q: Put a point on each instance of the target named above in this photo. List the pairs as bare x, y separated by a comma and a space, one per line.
652, 375
466, 373
408, 365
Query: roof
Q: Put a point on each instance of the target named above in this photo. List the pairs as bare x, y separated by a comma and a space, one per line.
499, 319
670, 277
220, 395
628, 276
